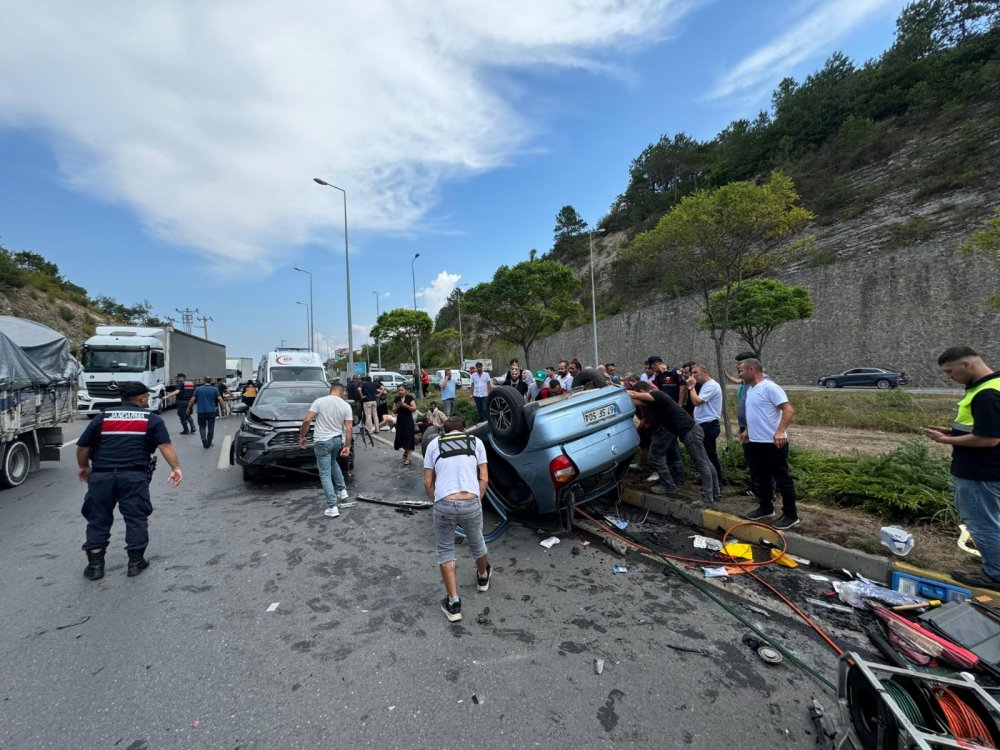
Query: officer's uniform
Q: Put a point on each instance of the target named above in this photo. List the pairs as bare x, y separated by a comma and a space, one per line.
121, 441
185, 392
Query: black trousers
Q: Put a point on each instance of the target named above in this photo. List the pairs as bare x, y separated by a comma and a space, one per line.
771, 463
712, 430
129, 490
186, 422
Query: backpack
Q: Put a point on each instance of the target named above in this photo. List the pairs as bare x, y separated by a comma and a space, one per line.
458, 444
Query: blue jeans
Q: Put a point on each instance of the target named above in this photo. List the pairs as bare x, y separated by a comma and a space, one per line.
978, 504
330, 475
481, 406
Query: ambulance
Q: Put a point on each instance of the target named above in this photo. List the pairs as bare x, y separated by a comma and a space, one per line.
291, 364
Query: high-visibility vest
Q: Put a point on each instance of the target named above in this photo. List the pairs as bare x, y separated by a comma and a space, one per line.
963, 421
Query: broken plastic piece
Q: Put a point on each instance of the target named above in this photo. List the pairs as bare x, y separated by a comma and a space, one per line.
827, 605
783, 560
897, 539
274, 606
738, 550
719, 572
598, 666
585, 543
758, 610
475, 699
817, 577
619, 569
617, 522
550, 542
706, 542
965, 541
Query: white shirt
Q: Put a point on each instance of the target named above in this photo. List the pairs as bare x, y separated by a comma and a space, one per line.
455, 474
331, 413
711, 406
480, 384
566, 381
763, 414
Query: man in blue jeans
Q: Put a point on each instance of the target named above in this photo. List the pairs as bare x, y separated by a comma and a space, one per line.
455, 478
975, 460
209, 403
331, 437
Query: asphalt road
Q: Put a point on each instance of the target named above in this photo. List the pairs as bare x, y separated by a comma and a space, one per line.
356, 652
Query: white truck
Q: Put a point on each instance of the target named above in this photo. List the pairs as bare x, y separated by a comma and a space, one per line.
290, 364
37, 387
152, 356
238, 371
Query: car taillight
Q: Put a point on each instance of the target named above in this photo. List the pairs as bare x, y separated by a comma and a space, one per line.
561, 470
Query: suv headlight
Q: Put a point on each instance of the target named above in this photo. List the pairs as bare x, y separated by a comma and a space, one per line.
255, 428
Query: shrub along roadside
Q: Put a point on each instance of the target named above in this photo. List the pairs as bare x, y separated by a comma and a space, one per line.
905, 485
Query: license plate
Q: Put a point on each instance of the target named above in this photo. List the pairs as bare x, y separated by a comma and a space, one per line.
599, 415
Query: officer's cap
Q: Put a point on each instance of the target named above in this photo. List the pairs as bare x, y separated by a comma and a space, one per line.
131, 390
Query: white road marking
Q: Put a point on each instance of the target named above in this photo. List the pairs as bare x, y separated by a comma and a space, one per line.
224, 452
71, 442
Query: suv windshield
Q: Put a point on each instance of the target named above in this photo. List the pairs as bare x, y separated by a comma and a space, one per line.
285, 374
303, 395
103, 360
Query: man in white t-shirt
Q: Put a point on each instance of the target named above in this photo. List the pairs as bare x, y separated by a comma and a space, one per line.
563, 376
455, 478
331, 437
706, 395
482, 384
768, 417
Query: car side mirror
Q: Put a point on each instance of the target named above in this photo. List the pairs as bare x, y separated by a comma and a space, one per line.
239, 409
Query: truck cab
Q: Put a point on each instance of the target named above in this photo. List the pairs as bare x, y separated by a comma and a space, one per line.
121, 354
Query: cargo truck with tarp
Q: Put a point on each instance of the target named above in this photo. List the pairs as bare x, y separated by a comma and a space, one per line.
38, 379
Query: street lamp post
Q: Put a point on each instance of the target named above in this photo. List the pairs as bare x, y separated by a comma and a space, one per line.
461, 342
418, 380
347, 267
378, 341
308, 321
593, 296
309, 338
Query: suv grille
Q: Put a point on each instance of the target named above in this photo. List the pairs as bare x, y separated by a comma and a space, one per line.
287, 437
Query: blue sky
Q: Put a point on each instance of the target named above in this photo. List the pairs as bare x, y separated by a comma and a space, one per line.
166, 151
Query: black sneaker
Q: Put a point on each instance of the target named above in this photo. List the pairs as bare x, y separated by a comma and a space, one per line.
784, 523
483, 582
759, 514
980, 580
452, 611
661, 489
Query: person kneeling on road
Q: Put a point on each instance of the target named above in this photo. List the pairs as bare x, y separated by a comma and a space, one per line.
114, 456
331, 436
455, 478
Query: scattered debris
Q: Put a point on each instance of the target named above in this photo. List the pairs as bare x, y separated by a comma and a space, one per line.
350, 504
828, 605
817, 577
397, 503
706, 542
965, 542
738, 551
687, 650
719, 572
785, 560
758, 610
196, 724
393, 708
619, 523
897, 539
752, 641
769, 655
619, 569
73, 624
585, 543
483, 618
598, 666
475, 699
550, 542
405, 511
858, 592
274, 606
575, 550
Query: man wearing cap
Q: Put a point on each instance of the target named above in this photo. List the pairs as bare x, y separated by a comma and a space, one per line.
536, 386
114, 455
210, 404
185, 390
447, 386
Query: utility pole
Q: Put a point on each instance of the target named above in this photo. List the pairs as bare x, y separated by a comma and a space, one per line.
204, 321
187, 318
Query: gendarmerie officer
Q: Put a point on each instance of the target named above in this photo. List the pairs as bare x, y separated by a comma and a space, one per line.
115, 458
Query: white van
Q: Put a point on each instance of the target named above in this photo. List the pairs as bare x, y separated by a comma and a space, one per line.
462, 378
290, 364
391, 379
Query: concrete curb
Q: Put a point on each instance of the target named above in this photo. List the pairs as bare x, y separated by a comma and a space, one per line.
826, 554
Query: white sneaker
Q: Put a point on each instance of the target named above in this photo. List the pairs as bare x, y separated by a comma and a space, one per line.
342, 495
332, 512
654, 477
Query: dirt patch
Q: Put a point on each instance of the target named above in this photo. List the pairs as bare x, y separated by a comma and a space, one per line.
845, 441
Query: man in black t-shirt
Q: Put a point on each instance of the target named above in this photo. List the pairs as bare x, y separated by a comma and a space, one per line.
975, 462
673, 423
668, 380
113, 454
185, 392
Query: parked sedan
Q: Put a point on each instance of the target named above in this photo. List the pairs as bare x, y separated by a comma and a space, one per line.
268, 438
546, 457
866, 376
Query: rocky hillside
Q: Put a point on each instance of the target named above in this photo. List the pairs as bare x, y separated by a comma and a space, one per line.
73, 320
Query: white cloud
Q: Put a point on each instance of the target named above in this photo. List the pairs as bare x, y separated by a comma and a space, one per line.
759, 72
210, 119
436, 295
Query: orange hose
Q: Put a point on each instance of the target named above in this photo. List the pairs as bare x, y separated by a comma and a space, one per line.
750, 564
962, 721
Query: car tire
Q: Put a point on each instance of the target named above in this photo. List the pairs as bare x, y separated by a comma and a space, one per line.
505, 412
588, 379
429, 434
16, 464
882, 384
251, 474
830, 383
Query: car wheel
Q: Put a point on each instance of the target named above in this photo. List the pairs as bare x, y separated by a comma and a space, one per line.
830, 383
505, 410
882, 384
251, 473
429, 434
16, 464
588, 379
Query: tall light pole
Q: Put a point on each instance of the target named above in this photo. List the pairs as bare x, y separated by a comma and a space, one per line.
418, 380
378, 341
309, 338
461, 343
308, 320
347, 267
593, 296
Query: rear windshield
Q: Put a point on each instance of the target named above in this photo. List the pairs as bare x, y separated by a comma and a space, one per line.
306, 395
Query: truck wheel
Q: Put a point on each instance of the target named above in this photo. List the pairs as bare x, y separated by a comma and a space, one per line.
16, 464
505, 409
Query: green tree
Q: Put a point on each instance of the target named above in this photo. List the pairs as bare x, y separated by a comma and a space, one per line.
759, 306
403, 326
570, 226
713, 240
139, 314
525, 302
986, 242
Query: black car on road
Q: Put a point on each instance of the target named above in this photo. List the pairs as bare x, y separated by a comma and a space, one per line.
865, 376
268, 438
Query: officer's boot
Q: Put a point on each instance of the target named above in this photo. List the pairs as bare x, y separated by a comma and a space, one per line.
95, 565
136, 562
